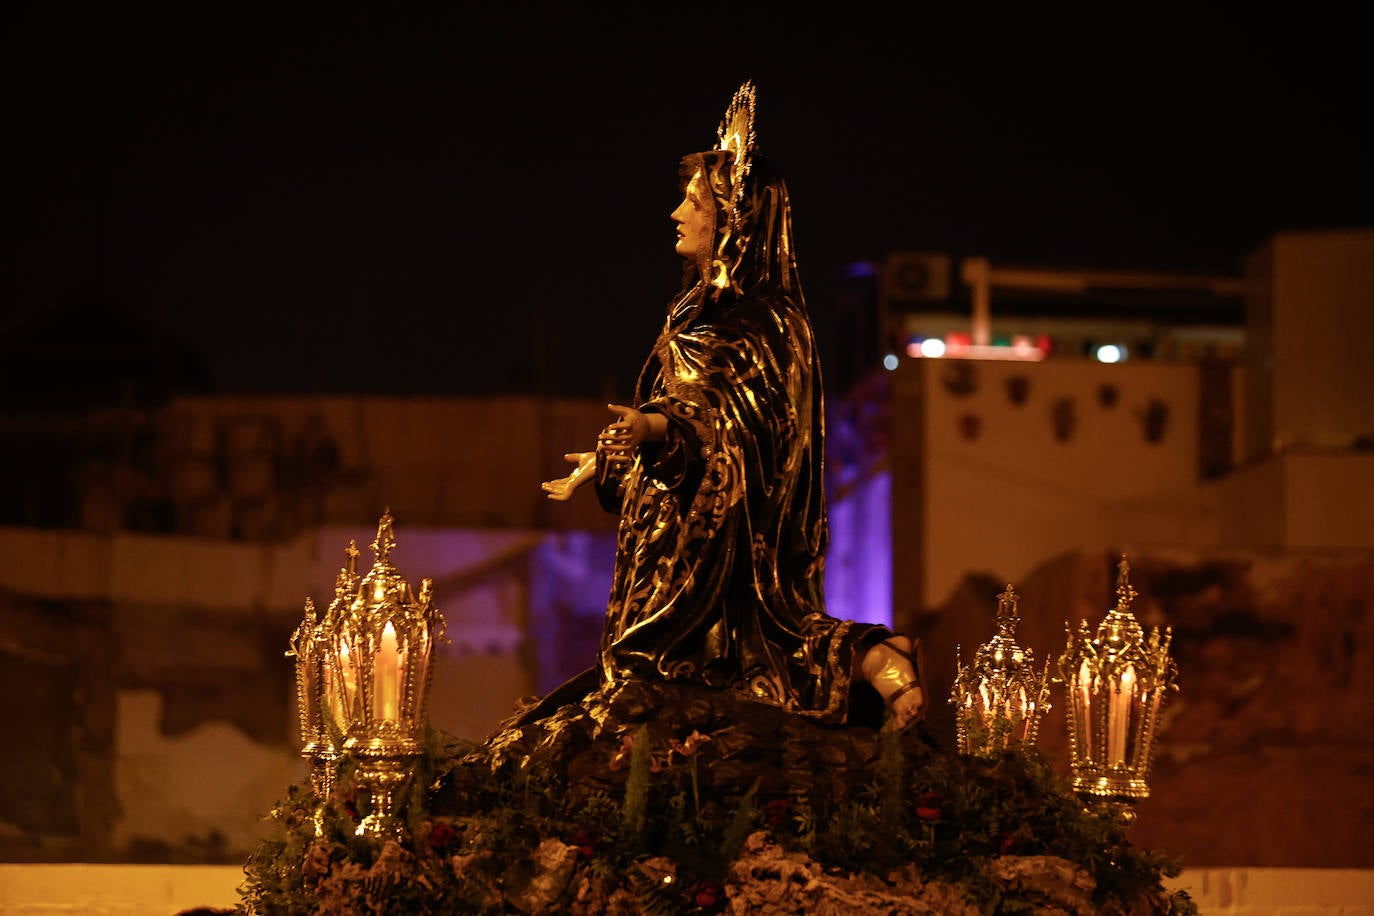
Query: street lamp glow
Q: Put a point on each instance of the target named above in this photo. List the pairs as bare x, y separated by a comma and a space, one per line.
1110, 353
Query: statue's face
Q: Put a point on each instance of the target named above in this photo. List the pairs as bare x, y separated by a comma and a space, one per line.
693, 218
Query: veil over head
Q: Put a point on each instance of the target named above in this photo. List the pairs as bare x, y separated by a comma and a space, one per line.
752, 252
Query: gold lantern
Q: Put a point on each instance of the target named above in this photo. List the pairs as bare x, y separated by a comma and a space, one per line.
381, 637
318, 744
1000, 699
1116, 680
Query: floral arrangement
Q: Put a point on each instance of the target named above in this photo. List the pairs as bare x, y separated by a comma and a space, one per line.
924, 831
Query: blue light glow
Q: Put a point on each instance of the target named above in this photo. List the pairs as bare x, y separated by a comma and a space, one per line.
861, 269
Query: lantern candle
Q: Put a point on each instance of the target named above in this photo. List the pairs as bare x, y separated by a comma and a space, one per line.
333, 701
1121, 715
387, 693
1085, 699
346, 666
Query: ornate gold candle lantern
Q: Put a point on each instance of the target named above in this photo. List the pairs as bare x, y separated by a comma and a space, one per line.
318, 744
1116, 680
381, 637
999, 700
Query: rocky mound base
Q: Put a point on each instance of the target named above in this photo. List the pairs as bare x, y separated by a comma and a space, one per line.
669, 798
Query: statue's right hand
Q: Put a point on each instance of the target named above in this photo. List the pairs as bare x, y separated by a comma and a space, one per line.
563, 488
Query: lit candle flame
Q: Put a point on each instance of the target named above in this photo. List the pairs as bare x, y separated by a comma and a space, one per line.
386, 707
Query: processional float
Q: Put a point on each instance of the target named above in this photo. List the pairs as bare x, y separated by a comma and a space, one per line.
363, 674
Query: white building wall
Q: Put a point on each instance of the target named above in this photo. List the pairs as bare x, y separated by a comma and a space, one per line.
1014, 494
1322, 286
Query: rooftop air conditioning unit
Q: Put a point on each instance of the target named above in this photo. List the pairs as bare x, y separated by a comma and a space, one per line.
916, 277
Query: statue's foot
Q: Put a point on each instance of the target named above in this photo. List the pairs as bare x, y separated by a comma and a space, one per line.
891, 667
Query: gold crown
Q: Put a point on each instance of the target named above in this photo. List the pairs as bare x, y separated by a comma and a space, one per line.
736, 135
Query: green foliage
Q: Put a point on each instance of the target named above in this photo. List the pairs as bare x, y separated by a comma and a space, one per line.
471, 837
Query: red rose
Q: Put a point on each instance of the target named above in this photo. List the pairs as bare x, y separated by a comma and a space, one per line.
777, 812
585, 841
708, 895
930, 806
348, 801
441, 836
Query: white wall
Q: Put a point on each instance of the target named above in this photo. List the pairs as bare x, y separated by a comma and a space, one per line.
1015, 495
1323, 306
214, 778
1329, 500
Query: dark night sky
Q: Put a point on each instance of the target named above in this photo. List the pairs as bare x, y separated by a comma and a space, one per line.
475, 199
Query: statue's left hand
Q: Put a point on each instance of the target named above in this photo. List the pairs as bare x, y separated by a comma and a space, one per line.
620, 439
563, 488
